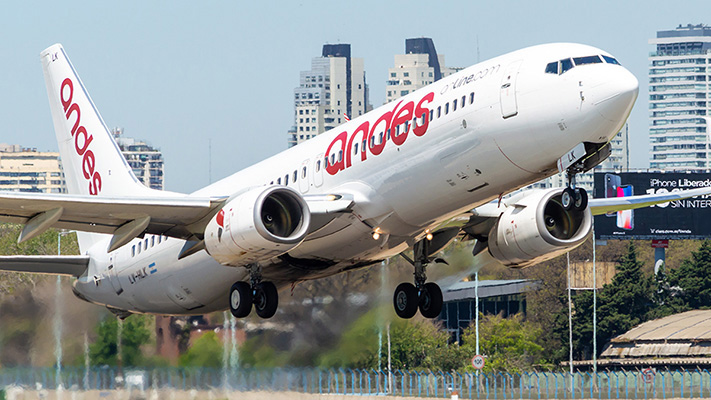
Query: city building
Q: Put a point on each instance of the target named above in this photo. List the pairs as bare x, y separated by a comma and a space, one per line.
505, 297
29, 170
618, 161
329, 94
146, 161
679, 98
418, 67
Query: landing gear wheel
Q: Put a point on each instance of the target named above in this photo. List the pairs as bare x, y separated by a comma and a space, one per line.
266, 299
581, 200
405, 300
567, 198
430, 300
240, 299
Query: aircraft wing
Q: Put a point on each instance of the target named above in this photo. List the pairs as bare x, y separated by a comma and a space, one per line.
612, 204
176, 216
53, 265
166, 215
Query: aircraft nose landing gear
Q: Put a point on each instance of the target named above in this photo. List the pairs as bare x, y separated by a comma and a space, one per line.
427, 296
263, 295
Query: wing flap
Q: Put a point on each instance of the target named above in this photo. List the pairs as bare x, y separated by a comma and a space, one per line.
169, 216
53, 265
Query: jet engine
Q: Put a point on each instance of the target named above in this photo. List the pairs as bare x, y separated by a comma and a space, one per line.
258, 224
537, 228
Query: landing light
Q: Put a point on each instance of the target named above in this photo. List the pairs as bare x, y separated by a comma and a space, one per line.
429, 235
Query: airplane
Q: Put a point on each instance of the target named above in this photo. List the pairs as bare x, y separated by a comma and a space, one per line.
415, 173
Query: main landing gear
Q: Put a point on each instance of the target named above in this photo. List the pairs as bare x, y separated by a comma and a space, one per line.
573, 198
427, 296
263, 295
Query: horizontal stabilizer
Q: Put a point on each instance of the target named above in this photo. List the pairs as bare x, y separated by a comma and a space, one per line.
53, 265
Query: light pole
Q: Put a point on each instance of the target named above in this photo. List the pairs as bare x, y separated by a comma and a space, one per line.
57, 323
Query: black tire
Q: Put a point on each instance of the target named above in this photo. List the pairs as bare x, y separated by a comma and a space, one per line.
581, 199
431, 300
567, 198
240, 299
266, 300
405, 300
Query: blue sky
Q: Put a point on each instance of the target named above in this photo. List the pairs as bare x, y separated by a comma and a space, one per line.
179, 74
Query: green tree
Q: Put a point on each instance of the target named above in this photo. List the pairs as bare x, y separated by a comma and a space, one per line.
509, 344
205, 352
135, 334
625, 302
694, 278
414, 344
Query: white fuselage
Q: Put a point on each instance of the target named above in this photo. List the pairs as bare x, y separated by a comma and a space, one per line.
520, 122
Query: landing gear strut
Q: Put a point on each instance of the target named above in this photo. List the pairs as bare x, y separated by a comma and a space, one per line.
427, 296
574, 198
262, 294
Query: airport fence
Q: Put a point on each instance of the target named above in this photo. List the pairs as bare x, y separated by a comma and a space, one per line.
644, 384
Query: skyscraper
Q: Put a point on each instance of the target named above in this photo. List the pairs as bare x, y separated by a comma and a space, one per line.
680, 98
418, 67
28, 170
146, 161
332, 91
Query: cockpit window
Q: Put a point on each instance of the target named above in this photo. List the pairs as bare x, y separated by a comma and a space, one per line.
560, 67
587, 60
552, 68
610, 60
565, 65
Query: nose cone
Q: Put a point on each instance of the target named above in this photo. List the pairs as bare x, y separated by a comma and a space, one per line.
616, 94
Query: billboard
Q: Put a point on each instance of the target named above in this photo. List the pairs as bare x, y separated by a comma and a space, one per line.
681, 219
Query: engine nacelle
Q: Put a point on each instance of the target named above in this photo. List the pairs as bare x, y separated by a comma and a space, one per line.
537, 228
258, 224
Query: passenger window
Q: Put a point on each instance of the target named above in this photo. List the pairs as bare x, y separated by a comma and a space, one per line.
146, 244
431, 115
565, 65
159, 238
355, 148
471, 98
318, 164
340, 153
286, 180
439, 111
464, 98
446, 109
278, 181
552, 68
153, 241
294, 177
333, 159
454, 105
388, 134
139, 248
133, 250
380, 138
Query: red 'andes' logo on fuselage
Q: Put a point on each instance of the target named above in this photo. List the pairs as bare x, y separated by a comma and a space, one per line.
82, 139
401, 114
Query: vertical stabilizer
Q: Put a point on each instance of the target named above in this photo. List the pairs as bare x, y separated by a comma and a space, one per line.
92, 161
